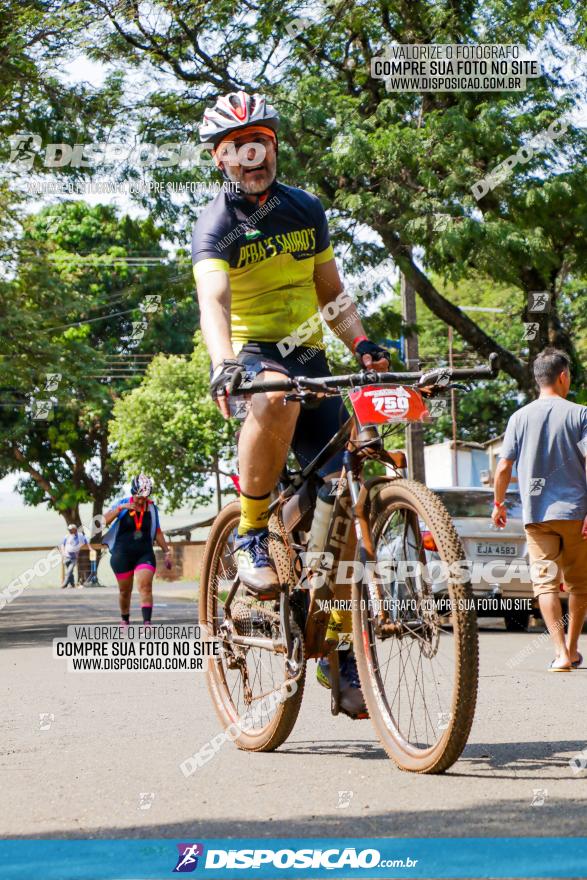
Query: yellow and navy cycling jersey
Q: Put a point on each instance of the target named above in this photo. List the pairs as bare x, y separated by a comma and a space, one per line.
269, 251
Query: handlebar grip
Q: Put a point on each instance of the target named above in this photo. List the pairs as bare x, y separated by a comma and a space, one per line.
256, 385
488, 372
485, 372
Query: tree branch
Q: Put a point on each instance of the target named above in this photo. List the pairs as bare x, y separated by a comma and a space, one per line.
452, 315
33, 472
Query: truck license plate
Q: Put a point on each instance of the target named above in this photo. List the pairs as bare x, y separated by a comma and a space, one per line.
485, 549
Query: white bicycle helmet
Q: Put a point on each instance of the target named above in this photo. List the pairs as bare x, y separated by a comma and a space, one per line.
234, 112
141, 486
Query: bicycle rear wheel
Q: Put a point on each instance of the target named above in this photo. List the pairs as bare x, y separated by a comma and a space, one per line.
252, 691
419, 673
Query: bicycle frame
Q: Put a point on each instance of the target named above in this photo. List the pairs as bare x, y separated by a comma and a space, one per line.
350, 506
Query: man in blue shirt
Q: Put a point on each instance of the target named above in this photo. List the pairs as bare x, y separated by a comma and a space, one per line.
547, 440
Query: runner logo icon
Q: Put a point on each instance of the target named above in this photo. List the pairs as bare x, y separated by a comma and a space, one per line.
187, 860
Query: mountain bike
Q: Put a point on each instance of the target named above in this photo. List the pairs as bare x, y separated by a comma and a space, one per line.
414, 627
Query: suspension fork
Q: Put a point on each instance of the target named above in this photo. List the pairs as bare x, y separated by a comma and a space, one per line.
359, 495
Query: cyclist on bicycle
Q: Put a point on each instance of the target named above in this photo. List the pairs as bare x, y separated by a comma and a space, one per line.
264, 267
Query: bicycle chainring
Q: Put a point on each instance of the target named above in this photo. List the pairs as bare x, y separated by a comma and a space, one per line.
280, 550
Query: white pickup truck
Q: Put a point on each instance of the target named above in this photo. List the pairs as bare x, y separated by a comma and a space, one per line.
492, 551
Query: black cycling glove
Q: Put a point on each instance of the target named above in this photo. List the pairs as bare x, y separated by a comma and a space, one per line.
226, 378
376, 351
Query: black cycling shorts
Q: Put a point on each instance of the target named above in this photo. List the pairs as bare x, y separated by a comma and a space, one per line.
125, 562
315, 427
128, 555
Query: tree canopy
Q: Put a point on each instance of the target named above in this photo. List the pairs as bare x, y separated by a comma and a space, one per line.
69, 314
170, 428
398, 164
395, 170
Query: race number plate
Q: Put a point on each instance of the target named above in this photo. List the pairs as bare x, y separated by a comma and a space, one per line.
375, 405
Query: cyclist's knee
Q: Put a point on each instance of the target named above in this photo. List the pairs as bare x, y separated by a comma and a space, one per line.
270, 407
273, 399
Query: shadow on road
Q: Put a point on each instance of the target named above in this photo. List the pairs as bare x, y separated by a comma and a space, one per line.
520, 760
351, 748
517, 760
33, 621
486, 819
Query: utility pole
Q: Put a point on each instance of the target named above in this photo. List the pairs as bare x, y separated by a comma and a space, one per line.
453, 396
414, 430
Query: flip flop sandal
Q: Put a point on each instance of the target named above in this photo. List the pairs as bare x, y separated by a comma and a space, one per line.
578, 662
553, 668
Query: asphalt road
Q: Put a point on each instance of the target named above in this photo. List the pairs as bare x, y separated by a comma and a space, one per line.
107, 763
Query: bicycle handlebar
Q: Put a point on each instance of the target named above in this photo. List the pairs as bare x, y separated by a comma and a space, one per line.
437, 378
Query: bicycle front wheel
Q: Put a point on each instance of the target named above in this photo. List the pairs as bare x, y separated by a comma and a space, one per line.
418, 670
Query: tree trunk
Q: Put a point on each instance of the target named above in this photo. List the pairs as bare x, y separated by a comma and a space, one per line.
71, 516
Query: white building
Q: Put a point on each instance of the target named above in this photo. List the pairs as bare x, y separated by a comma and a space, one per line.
469, 464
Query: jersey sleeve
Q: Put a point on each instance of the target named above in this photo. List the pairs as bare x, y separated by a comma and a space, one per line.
212, 243
509, 447
116, 503
324, 251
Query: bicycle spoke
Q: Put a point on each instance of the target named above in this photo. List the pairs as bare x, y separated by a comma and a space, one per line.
423, 670
258, 672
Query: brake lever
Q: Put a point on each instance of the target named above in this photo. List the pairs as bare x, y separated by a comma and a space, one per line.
439, 378
437, 390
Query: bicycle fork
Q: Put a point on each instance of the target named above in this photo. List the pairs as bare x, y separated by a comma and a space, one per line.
359, 497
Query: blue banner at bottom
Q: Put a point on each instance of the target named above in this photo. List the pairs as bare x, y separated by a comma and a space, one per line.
305, 858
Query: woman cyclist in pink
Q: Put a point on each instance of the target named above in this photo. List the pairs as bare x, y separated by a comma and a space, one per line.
130, 539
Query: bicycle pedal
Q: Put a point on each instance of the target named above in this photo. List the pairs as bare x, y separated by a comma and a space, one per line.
362, 716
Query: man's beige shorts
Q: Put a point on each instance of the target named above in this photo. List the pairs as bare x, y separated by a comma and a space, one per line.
557, 541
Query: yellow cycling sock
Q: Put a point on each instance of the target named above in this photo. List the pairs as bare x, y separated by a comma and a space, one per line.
340, 626
254, 512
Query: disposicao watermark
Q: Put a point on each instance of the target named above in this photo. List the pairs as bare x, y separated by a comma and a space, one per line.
307, 329
102, 648
27, 149
317, 566
454, 67
42, 567
111, 187
533, 646
502, 171
263, 707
